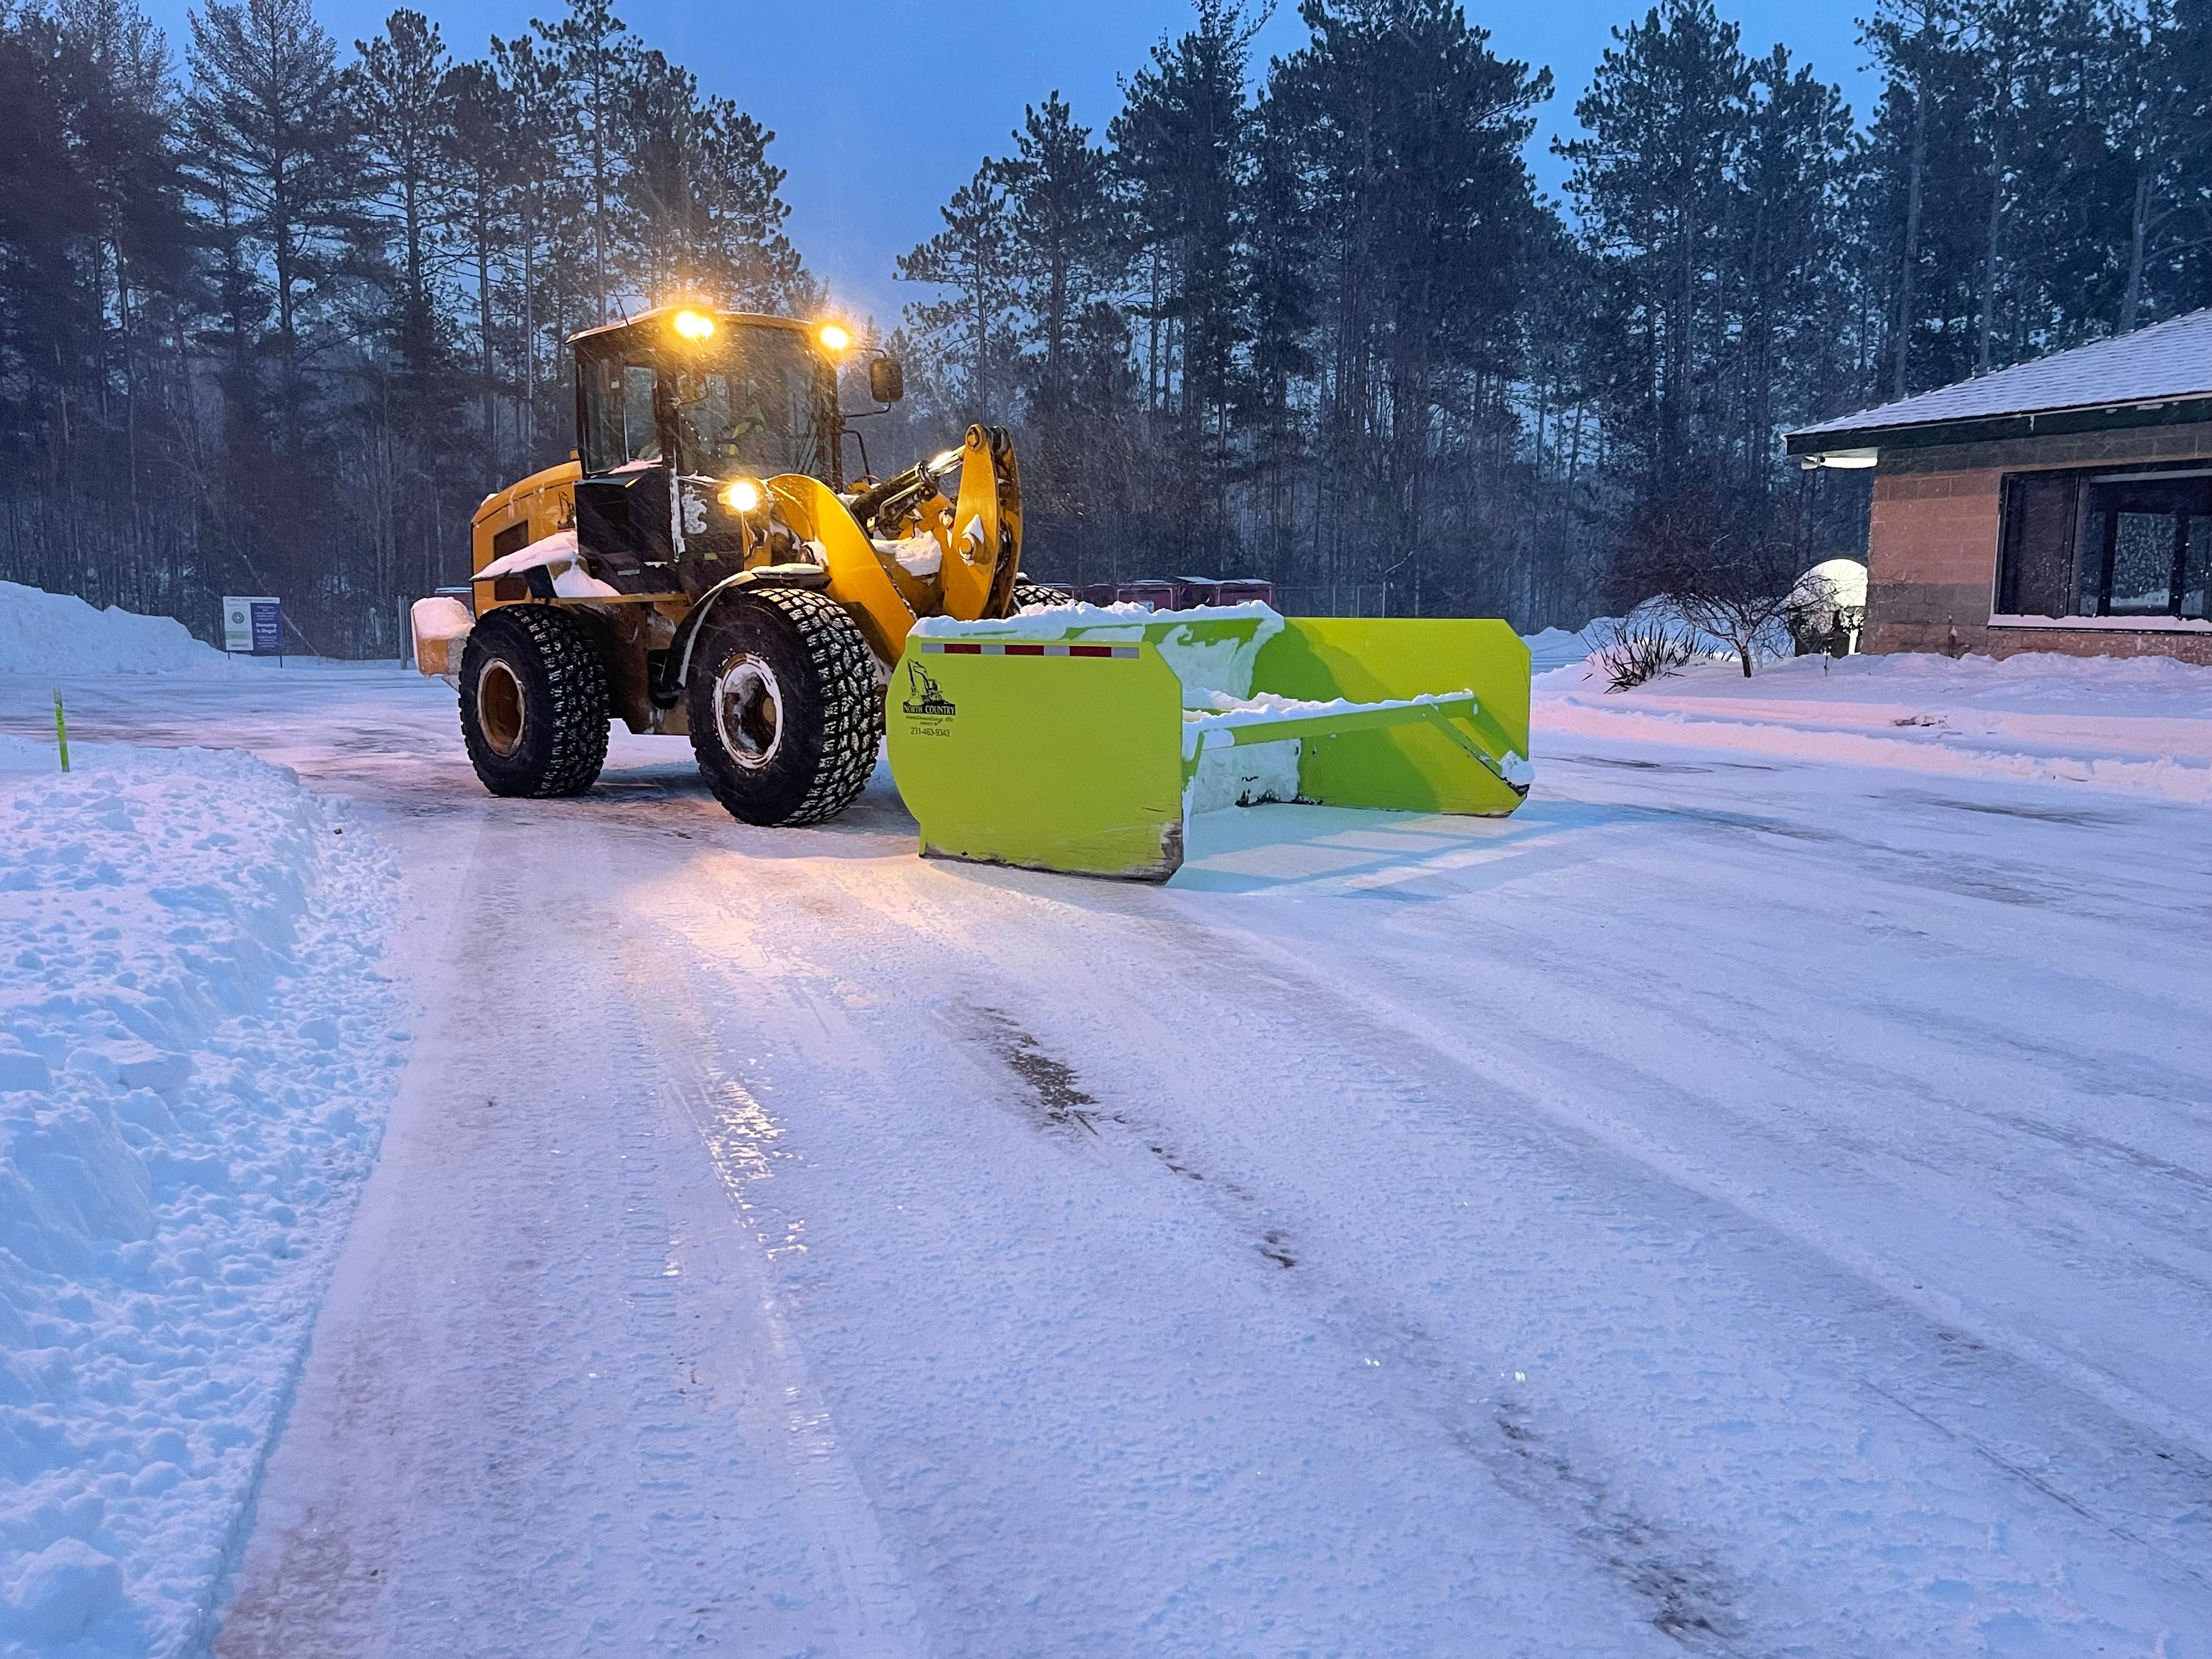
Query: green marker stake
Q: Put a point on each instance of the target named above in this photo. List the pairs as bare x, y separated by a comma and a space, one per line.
61, 728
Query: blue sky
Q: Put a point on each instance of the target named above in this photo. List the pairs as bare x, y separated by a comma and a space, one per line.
881, 109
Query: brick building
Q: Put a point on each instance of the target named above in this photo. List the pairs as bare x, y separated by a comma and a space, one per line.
2062, 505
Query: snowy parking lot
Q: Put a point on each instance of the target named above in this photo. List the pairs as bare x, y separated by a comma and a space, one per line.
1757, 1200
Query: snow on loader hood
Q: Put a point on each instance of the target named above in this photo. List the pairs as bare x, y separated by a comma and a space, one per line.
558, 554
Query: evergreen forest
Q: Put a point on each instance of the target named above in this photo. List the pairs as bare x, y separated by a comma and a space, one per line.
278, 310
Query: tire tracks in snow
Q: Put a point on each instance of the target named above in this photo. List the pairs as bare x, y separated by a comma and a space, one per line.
1689, 1594
872, 1614
1839, 1327
1972, 1387
1692, 1595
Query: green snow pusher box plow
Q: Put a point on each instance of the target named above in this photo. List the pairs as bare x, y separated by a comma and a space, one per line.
1082, 739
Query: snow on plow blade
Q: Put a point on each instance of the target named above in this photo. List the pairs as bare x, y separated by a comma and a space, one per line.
1082, 738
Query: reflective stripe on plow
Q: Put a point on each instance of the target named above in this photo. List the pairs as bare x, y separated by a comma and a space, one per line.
978, 648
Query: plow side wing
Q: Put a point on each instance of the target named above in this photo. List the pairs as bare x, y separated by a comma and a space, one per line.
1053, 756
1409, 766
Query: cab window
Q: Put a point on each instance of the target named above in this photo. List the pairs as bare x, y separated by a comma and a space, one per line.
619, 429
744, 403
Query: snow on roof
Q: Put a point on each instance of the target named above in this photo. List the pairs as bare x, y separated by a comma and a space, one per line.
2167, 360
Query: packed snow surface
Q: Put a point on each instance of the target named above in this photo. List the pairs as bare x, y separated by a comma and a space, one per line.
49, 634
1750, 1202
197, 1047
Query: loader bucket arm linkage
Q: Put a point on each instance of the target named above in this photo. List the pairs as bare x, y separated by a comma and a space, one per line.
1083, 745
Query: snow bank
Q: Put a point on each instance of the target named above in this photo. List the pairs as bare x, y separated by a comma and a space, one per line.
196, 1052
43, 633
1555, 648
2140, 725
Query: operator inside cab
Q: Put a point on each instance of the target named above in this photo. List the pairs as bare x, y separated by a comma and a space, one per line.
734, 399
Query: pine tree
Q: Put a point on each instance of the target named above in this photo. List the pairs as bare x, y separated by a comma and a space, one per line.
598, 62
279, 158
1656, 183
705, 216
545, 202
1795, 172
479, 167
1070, 233
1182, 143
400, 92
1411, 132
47, 326
974, 325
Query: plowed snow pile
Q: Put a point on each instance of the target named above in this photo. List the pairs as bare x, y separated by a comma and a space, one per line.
43, 633
196, 1052
2142, 726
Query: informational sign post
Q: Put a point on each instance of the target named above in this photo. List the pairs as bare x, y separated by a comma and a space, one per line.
253, 626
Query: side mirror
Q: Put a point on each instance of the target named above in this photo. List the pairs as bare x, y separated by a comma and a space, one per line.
886, 380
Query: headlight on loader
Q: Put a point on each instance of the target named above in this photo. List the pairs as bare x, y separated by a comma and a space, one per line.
742, 497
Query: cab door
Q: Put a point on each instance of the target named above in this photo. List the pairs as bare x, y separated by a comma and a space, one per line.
622, 502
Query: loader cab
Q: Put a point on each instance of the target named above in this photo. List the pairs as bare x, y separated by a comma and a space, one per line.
672, 406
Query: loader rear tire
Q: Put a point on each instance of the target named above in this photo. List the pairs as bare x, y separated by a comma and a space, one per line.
785, 713
534, 702
1027, 593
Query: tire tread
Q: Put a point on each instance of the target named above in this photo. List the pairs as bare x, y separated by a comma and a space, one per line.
576, 682
851, 707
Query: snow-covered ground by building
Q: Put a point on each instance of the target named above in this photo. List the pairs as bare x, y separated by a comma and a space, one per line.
2139, 725
1750, 1202
197, 1045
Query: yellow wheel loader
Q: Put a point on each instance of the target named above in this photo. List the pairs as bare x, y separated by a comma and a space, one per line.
700, 567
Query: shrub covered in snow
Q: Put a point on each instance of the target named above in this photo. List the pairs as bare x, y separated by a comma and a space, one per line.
1635, 650
196, 1051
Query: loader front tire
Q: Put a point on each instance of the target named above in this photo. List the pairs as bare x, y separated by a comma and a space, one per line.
534, 702
1027, 593
785, 714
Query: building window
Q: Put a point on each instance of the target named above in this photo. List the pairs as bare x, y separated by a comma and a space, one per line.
2107, 543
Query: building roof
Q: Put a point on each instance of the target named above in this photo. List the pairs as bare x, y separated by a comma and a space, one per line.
2155, 376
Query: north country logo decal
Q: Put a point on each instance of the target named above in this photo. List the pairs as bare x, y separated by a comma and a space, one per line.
927, 699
